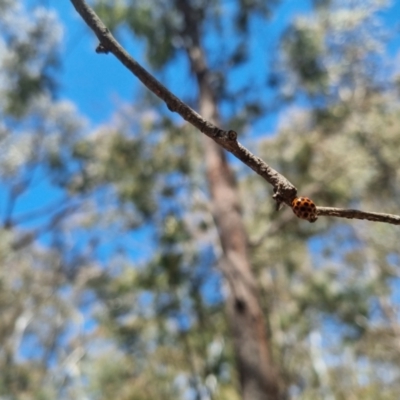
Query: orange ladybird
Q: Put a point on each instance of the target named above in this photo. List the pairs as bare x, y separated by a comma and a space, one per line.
305, 208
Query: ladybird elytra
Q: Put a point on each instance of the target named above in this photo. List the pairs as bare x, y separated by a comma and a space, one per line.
304, 208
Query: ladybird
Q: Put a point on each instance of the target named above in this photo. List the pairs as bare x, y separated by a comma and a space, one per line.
305, 208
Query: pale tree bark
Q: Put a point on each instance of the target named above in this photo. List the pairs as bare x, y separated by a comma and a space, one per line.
258, 377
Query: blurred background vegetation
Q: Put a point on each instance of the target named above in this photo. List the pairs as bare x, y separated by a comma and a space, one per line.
110, 287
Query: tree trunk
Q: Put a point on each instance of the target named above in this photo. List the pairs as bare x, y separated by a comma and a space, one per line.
258, 378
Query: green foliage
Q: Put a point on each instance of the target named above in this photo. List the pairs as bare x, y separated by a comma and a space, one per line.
31, 62
304, 47
142, 18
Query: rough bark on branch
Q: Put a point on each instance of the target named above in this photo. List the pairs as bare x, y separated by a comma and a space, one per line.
285, 191
357, 214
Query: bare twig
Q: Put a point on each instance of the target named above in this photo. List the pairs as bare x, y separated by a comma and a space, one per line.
356, 214
284, 191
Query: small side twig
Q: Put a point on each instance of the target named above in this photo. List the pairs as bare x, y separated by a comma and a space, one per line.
357, 214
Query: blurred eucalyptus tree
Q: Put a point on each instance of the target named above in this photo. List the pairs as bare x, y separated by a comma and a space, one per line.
40, 320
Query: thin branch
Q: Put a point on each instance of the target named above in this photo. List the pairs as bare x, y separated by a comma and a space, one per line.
16, 191
284, 190
356, 214
28, 237
41, 212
